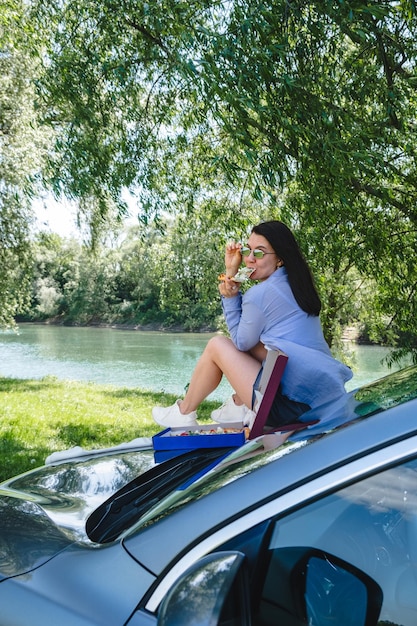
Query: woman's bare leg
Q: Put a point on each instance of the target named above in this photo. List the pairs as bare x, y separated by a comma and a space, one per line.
259, 353
220, 357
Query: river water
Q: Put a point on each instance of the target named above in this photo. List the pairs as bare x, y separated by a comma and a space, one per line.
158, 361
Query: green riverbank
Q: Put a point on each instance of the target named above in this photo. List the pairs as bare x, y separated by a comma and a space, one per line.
38, 417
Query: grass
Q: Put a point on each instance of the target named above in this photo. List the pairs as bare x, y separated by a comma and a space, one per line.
38, 417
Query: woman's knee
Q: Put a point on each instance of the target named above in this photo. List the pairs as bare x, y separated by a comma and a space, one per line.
220, 350
218, 344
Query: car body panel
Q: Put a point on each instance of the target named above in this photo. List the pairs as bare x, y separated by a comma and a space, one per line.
51, 505
70, 490
98, 586
28, 537
284, 503
44, 545
288, 471
49, 563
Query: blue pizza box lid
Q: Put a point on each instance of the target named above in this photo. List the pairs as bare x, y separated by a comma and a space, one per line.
166, 455
202, 436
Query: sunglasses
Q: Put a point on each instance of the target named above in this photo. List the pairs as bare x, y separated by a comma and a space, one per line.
258, 254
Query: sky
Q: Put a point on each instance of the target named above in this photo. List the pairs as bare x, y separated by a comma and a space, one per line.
60, 216
56, 216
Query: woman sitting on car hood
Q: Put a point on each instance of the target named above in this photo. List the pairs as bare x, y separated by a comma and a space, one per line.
281, 311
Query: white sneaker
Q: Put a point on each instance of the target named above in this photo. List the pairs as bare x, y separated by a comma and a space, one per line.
229, 412
171, 416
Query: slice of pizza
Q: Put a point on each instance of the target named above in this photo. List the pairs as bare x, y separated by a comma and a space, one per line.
242, 275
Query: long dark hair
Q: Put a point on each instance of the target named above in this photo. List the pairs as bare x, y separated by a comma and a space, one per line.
299, 274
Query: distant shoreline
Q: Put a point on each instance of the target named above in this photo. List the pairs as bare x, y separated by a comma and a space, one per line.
117, 326
349, 335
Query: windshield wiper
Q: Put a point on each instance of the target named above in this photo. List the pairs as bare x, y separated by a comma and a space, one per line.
129, 503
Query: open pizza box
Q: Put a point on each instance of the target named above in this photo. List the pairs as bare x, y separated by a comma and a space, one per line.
173, 441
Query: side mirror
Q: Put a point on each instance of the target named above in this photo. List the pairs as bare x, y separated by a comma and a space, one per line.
333, 591
211, 590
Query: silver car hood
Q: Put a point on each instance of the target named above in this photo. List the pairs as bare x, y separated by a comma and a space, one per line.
44, 511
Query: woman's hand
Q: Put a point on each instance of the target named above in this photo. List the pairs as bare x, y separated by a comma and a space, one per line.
228, 288
232, 258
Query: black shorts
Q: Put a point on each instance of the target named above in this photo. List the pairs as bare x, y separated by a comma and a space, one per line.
283, 410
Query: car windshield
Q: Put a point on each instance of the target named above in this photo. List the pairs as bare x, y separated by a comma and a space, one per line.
238, 463
387, 392
193, 475
116, 514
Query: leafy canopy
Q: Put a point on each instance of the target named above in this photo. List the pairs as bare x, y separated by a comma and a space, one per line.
305, 111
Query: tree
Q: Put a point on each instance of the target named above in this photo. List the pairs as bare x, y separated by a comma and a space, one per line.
22, 147
308, 105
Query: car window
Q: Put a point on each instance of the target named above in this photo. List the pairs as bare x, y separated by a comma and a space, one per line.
387, 392
371, 525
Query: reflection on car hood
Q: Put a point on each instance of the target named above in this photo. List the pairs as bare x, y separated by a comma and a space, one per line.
27, 536
43, 511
